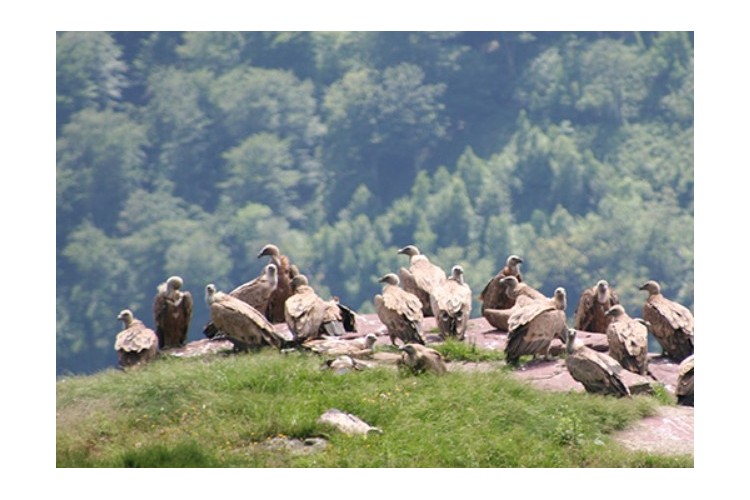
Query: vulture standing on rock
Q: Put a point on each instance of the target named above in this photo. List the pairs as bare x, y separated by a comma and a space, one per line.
173, 310
494, 295
684, 389
419, 359
256, 293
307, 315
519, 293
274, 311
240, 322
135, 344
451, 303
533, 326
400, 311
628, 340
421, 277
592, 307
598, 372
671, 323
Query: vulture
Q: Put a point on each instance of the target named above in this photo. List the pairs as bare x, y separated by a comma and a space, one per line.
255, 292
671, 323
533, 326
628, 340
451, 303
173, 310
400, 311
598, 372
519, 293
684, 389
421, 277
494, 295
356, 348
240, 322
420, 359
307, 315
592, 307
136, 344
286, 271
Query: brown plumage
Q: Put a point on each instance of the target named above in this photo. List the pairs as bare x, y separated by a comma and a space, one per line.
495, 295
173, 310
135, 344
307, 315
533, 326
400, 311
451, 303
420, 359
598, 372
421, 277
240, 322
628, 340
684, 390
592, 307
285, 272
671, 323
517, 289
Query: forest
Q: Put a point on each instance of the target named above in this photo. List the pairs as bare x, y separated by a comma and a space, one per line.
186, 152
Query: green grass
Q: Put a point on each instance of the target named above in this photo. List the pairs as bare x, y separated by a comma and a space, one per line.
214, 412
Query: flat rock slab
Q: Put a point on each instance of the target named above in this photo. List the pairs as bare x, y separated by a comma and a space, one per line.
670, 432
200, 347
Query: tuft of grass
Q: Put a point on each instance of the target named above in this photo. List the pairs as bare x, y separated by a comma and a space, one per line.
456, 350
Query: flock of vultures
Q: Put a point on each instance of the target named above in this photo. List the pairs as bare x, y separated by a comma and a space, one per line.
281, 294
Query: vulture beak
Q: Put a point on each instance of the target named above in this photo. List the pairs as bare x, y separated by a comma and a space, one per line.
643, 287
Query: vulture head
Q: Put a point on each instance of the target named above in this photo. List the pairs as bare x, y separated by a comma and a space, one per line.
272, 274
615, 311
298, 281
652, 287
602, 291
513, 262
457, 273
560, 298
126, 316
409, 250
293, 270
390, 279
570, 341
270, 250
210, 292
174, 283
510, 283
370, 340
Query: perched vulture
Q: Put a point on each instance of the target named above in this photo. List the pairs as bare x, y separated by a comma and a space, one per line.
356, 348
598, 372
628, 340
671, 323
135, 344
533, 326
684, 389
451, 303
494, 295
173, 310
307, 315
400, 311
518, 290
592, 307
519, 293
286, 271
240, 322
419, 359
421, 277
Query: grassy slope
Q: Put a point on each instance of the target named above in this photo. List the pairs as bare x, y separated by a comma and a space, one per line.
211, 412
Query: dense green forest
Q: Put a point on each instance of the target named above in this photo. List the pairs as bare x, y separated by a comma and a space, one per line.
186, 152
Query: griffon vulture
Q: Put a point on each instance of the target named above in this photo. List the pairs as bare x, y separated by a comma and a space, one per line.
592, 307
451, 303
519, 293
173, 310
135, 344
419, 359
286, 271
684, 389
494, 295
628, 340
307, 315
421, 277
400, 311
671, 323
533, 326
598, 372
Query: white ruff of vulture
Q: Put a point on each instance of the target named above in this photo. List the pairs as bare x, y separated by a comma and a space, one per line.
684, 389
307, 315
240, 322
494, 295
628, 341
533, 326
173, 310
671, 323
420, 359
592, 308
400, 311
330, 346
421, 277
286, 271
136, 344
451, 303
598, 372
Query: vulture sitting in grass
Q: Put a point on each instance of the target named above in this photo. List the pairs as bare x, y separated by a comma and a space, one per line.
495, 293
286, 271
628, 341
592, 308
173, 310
451, 303
671, 323
684, 389
421, 277
533, 326
598, 372
420, 359
400, 311
136, 344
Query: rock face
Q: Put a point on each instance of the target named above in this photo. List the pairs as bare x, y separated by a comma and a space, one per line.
347, 423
